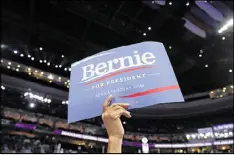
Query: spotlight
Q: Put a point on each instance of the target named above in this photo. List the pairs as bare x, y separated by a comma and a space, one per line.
44, 61
65, 69
206, 65
32, 58
8, 67
170, 3
29, 56
32, 105
201, 51
56, 66
124, 122
63, 102
49, 100
223, 38
1, 61
17, 69
187, 4
60, 66
170, 47
144, 34
62, 56
26, 94
69, 69
40, 61
9, 63
41, 48
149, 28
230, 70
21, 55
15, 52
200, 55
50, 77
48, 64
3, 88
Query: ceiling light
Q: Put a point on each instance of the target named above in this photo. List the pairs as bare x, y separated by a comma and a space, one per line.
206, 65
17, 69
223, 38
32, 105
65, 69
144, 34
41, 48
15, 52
22, 55
230, 70
62, 56
66, 102
60, 66
59, 78
226, 26
3, 46
187, 4
200, 55
170, 47
32, 58
8, 67
1, 61
50, 77
49, 100
3, 88
48, 64
56, 66
42, 73
40, 61
170, 3
29, 56
149, 28
18, 65
44, 61
9, 63
69, 69
63, 102
29, 69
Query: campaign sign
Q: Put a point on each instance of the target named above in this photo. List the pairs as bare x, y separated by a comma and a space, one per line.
139, 74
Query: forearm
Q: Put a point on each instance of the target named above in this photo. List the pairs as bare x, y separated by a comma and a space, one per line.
115, 145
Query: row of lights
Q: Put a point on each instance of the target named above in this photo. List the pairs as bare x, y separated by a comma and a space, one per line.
34, 96
29, 70
219, 93
40, 61
64, 102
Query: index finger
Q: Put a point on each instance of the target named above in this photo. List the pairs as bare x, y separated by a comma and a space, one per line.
106, 103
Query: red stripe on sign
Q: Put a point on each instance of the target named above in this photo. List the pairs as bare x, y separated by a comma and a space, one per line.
118, 72
151, 91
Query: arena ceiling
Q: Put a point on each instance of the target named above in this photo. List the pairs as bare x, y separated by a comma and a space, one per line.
77, 29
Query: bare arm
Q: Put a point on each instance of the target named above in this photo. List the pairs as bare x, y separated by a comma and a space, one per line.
111, 118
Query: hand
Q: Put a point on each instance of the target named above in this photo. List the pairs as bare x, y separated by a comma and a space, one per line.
111, 118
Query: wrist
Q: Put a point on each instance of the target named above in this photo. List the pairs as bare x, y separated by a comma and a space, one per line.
115, 144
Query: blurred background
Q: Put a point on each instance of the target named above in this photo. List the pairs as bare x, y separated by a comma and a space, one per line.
41, 39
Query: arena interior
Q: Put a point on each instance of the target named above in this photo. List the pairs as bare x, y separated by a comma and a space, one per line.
41, 39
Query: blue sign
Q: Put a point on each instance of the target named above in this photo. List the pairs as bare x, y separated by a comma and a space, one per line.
139, 74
